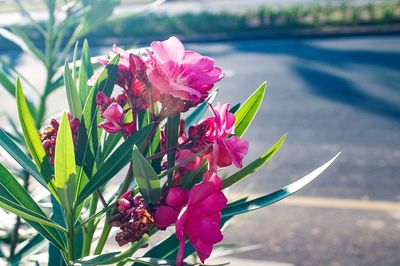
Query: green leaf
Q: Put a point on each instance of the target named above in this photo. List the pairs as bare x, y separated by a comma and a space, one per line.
65, 168
32, 138
116, 161
19, 156
85, 72
28, 249
88, 134
74, 102
145, 177
19, 38
246, 113
114, 257
110, 143
54, 254
74, 57
106, 80
172, 132
198, 113
252, 167
278, 195
7, 83
14, 198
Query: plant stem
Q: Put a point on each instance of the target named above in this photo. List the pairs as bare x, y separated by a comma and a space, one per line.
150, 136
107, 227
160, 154
88, 233
70, 217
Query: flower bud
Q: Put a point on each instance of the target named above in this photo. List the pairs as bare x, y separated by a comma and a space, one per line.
165, 216
176, 197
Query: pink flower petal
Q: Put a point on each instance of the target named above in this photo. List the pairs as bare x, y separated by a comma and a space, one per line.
169, 50
237, 149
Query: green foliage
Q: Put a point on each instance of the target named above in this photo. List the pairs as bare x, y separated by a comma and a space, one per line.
74, 102
20, 157
65, 169
172, 132
251, 205
117, 160
145, 177
14, 198
32, 139
255, 165
247, 111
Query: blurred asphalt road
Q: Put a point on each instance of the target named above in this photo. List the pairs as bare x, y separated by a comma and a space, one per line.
329, 95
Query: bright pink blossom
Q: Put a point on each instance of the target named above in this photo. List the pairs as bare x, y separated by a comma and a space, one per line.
216, 131
200, 219
167, 214
113, 116
184, 75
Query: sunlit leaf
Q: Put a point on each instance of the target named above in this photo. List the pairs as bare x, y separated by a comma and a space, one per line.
252, 167
74, 102
246, 112
32, 138
276, 196
65, 169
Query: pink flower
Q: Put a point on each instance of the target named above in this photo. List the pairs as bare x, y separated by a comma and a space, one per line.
183, 75
216, 131
114, 116
200, 219
167, 214
131, 77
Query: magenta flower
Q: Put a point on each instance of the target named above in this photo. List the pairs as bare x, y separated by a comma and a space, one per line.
131, 77
200, 219
184, 75
167, 214
216, 131
113, 116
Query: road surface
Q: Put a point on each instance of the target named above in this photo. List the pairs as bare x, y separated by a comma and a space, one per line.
329, 95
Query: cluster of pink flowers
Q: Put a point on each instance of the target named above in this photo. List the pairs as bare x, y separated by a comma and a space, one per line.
178, 80
171, 76
49, 136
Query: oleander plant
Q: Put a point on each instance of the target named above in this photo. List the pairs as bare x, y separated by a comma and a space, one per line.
144, 126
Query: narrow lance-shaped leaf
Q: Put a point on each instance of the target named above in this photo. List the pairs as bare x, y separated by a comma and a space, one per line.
276, 196
7, 83
74, 102
19, 156
114, 257
172, 131
115, 162
28, 249
145, 177
251, 168
85, 72
88, 133
19, 38
65, 168
246, 112
16, 199
32, 138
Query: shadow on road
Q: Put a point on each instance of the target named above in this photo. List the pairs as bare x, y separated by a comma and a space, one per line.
310, 64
